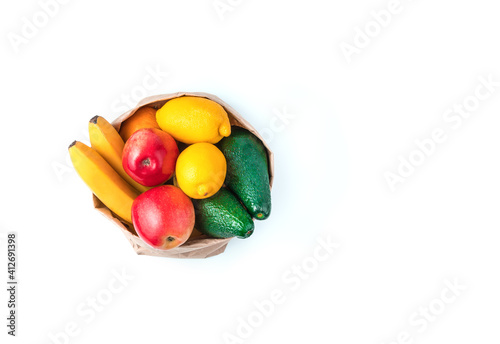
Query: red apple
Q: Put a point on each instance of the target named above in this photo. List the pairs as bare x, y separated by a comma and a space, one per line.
163, 217
149, 156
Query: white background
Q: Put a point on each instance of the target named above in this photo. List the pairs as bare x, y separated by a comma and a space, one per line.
351, 122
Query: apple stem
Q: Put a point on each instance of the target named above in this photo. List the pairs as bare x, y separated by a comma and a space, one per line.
146, 162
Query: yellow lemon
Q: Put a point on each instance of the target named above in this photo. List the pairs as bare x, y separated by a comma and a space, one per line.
201, 170
193, 120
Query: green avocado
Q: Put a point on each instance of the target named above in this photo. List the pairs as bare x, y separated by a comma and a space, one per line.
222, 216
247, 171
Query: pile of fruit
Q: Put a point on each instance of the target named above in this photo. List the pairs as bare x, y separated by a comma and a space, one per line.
182, 166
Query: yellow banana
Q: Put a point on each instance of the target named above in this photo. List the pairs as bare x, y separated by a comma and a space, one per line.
109, 144
103, 180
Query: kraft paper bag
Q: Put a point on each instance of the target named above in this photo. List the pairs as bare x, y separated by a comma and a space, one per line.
198, 245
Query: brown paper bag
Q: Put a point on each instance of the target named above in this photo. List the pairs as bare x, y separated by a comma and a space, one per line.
198, 245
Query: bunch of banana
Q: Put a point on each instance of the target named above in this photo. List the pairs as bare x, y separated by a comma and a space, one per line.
101, 168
